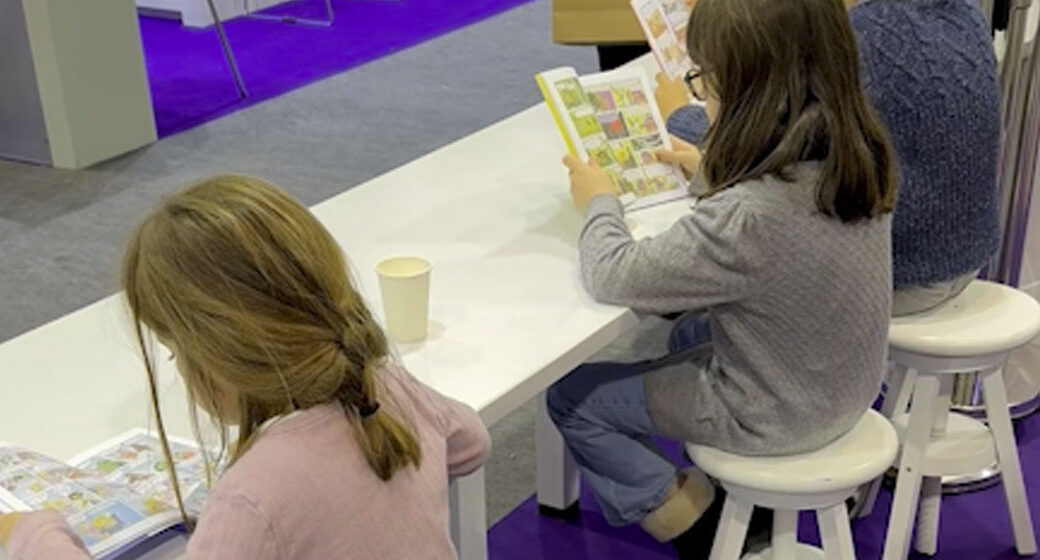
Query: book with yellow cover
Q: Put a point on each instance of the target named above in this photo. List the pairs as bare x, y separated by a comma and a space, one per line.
612, 118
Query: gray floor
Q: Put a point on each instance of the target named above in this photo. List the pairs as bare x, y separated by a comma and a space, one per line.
61, 232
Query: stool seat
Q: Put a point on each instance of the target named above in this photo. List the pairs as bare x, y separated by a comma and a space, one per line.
860, 455
986, 318
965, 447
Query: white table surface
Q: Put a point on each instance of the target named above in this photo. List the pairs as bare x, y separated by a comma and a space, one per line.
508, 313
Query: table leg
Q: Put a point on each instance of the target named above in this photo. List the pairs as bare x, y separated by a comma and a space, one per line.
558, 479
469, 516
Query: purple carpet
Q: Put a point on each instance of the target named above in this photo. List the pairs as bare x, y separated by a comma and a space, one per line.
191, 84
973, 526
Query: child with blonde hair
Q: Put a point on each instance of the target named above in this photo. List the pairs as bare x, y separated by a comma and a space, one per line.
340, 453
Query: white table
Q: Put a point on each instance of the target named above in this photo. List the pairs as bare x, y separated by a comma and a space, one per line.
508, 313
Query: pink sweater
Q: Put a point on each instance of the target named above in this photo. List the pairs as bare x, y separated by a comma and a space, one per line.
305, 492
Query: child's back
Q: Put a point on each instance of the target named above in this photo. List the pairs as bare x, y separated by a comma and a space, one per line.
798, 308
929, 68
305, 491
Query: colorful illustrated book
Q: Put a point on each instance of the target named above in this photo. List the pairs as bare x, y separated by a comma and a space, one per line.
612, 118
115, 496
664, 23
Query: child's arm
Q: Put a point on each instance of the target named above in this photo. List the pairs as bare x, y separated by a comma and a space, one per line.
42, 535
709, 257
468, 440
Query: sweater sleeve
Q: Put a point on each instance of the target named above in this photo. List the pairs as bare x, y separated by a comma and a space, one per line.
468, 441
703, 260
232, 526
45, 535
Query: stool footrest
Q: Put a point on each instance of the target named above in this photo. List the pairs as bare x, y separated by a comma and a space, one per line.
966, 448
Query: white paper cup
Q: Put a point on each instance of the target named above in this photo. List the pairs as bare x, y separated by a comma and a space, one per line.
405, 285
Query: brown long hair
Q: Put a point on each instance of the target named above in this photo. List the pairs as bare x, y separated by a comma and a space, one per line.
253, 295
786, 73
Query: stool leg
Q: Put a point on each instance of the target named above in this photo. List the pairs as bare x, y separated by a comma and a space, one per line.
897, 397
942, 406
835, 533
999, 418
908, 482
900, 386
785, 534
927, 539
729, 539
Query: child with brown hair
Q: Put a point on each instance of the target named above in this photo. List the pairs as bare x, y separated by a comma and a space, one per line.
789, 254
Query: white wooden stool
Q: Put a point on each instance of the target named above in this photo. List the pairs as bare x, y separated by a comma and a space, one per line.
820, 481
975, 331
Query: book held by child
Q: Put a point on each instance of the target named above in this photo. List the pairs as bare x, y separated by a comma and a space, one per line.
612, 118
664, 24
115, 496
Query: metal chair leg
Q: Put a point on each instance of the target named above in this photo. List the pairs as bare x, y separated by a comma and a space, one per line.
229, 55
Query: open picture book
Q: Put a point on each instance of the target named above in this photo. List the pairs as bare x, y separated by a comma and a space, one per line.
612, 118
664, 24
115, 496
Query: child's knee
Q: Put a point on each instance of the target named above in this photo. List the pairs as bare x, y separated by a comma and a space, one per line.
558, 403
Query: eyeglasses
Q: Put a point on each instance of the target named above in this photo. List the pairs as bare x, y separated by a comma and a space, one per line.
695, 84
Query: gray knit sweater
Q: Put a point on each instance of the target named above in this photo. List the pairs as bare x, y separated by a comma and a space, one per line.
929, 69
798, 304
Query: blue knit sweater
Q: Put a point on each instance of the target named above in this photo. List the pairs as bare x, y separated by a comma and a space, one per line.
928, 66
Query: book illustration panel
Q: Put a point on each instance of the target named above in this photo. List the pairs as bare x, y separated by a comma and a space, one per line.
571, 92
677, 12
104, 522
613, 125
17, 458
138, 464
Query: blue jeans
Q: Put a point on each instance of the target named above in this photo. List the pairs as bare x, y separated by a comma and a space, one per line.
600, 409
690, 329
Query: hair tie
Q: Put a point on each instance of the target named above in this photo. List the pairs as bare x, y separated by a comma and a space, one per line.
368, 409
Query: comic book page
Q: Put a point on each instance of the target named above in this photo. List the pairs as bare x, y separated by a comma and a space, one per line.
632, 131
612, 118
677, 13
135, 460
107, 516
664, 24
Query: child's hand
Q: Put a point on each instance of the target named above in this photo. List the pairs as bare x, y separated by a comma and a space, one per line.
684, 154
7, 523
587, 181
670, 94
